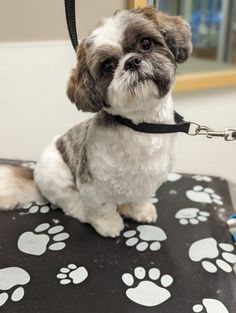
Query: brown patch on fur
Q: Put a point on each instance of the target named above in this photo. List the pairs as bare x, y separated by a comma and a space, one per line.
73, 149
71, 85
160, 57
17, 187
82, 88
87, 87
175, 31
95, 58
23, 172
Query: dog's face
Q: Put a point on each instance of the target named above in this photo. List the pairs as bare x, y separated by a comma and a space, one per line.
128, 59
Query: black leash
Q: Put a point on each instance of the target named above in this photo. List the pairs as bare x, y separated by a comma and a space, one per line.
190, 128
71, 21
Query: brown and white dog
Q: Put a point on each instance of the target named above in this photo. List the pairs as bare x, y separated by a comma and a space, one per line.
101, 170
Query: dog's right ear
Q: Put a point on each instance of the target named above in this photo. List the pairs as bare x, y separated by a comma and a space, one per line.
81, 87
175, 31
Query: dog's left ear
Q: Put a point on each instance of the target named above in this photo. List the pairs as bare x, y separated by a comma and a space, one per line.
175, 31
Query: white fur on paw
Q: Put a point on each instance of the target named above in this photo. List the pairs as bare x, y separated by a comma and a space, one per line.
72, 274
145, 237
44, 237
212, 255
38, 207
191, 216
202, 178
211, 306
147, 215
145, 288
203, 195
11, 281
111, 227
173, 177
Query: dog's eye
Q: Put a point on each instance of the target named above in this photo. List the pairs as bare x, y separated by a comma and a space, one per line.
109, 66
146, 43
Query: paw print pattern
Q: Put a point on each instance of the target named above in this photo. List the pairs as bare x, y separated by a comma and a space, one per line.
144, 237
147, 291
173, 177
72, 275
202, 178
208, 248
38, 207
44, 237
211, 306
203, 195
11, 281
192, 216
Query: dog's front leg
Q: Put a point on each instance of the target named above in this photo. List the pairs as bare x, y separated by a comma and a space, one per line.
105, 219
143, 211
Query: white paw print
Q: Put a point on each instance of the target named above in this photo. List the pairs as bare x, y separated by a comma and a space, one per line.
204, 195
208, 248
173, 177
192, 216
147, 292
11, 281
202, 178
144, 237
38, 207
44, 237
72, 274
211, 306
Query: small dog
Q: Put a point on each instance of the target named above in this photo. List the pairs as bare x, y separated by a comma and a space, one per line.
101, 170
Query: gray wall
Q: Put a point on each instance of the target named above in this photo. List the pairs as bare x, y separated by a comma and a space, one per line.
30, 20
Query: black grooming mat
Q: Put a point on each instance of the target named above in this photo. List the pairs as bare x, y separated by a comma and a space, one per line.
51, 263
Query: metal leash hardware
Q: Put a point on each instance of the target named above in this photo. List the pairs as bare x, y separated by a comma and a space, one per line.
229, 134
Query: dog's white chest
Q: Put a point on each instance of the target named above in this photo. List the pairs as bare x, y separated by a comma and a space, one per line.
135, 167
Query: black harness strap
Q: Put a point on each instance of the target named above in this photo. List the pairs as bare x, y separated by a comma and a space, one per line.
149, 128
71, 21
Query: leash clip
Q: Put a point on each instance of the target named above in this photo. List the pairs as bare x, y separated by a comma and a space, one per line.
229, 134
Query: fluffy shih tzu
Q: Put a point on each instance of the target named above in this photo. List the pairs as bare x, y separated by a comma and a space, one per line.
100, 169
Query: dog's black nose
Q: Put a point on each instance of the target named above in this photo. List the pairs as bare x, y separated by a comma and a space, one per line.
132, 63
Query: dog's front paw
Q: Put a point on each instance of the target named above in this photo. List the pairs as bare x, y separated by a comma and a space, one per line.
144, 212
148, 214
109, 227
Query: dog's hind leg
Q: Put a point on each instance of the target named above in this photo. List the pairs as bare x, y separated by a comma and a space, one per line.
56, 182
